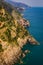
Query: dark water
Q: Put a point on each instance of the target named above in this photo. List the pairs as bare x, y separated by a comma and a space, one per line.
35, 15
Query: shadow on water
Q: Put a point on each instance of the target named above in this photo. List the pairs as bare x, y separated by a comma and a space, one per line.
35, 57
28, 56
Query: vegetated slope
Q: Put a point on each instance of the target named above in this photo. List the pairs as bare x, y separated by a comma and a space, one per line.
13, 35
18, 4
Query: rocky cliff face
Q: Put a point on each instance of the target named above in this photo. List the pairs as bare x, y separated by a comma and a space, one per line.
13, 35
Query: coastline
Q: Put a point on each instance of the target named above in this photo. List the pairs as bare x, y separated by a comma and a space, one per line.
15, 37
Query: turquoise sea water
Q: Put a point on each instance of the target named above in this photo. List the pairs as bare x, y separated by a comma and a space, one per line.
35, 15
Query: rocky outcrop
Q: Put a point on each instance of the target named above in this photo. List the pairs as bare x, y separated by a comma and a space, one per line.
13, 35
24, 22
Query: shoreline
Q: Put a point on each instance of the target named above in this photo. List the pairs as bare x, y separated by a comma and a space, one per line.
13, 36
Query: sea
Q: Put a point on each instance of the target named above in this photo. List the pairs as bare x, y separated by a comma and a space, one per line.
35, 16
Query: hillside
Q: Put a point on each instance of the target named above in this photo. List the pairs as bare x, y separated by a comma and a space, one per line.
18, 4
13, 34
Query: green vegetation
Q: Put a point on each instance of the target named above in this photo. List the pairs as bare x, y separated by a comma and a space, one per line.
1, 48
3, 37
13, 35
10, 28
8, 35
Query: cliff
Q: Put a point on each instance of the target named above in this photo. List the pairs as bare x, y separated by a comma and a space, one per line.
13, 35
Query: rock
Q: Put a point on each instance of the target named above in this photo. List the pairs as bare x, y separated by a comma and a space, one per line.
24, 22
32, 40
22, 42
21, 62
24, 55
27, 51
